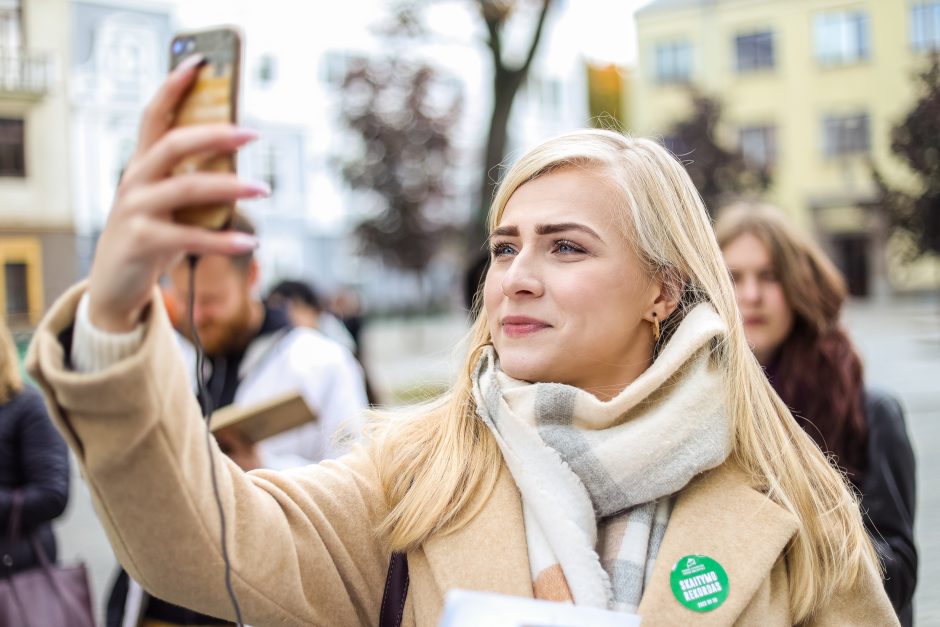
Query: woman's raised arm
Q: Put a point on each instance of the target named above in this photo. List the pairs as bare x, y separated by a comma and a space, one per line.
140, 238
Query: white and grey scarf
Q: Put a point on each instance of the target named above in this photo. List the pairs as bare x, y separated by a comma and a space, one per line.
597, 477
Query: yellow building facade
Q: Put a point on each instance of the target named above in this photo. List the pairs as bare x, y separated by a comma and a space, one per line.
37, 235
811, 88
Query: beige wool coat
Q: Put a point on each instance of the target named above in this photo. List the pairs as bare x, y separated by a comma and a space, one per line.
301, 542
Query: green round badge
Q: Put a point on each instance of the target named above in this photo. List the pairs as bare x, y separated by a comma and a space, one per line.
699, 583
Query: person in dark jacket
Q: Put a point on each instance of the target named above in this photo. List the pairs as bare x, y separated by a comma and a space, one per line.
33, 460
790, 296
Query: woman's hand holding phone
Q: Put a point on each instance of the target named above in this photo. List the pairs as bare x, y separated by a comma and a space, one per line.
140, 238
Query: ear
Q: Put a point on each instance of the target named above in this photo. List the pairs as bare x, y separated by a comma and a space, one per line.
666, 296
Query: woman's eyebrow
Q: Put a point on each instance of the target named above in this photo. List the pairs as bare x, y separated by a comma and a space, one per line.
548, 229
505, 231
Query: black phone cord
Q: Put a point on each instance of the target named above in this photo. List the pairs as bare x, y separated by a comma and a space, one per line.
206, 406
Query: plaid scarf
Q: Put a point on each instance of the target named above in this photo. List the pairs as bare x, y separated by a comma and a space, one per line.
597, 477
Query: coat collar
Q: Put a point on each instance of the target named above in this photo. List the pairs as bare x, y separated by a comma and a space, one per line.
719, 515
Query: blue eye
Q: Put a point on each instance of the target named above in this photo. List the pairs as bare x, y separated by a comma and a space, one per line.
567, 247
499, 249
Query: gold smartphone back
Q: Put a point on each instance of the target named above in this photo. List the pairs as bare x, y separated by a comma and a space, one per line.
213, 98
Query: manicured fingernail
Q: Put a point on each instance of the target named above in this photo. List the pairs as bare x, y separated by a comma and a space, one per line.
258, 190
243, 241
190, 62
244, 135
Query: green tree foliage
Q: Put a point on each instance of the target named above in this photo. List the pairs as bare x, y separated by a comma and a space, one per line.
720, 174
915, 140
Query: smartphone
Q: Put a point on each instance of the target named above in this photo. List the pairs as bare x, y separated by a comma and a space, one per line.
213, 98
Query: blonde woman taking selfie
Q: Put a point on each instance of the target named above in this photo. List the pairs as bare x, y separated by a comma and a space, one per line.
610, 439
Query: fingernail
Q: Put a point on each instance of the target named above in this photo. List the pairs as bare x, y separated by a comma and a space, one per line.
258, 190
243, 135
190, 62
243, 241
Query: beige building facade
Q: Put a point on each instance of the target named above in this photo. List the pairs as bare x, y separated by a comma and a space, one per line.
810, 88
37, 236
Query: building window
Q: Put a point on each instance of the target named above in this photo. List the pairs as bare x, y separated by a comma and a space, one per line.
20, 280
335, 66
758, 146
267, 165
841, 37
11, 37
17, 288
673, 62
845, 135
267, 70
547, 93
925, 26
12, 147
754, 51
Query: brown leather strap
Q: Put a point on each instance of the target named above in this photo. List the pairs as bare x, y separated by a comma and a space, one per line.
396, 591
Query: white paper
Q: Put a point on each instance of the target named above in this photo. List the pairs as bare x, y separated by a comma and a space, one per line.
466, 608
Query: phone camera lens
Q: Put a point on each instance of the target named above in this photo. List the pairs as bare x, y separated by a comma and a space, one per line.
190, 45
178, 46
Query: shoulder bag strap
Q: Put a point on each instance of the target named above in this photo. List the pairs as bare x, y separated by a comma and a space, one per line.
396, 591
16, 513
13, 536
13, 529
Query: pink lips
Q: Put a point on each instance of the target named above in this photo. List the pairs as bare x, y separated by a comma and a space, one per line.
520, 326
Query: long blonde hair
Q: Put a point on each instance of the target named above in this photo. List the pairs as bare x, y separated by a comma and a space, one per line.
10, 380
438, 464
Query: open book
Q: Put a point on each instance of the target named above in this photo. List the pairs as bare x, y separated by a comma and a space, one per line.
263, 420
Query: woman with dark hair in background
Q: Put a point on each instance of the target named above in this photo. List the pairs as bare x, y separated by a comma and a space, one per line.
34, 463
790, 296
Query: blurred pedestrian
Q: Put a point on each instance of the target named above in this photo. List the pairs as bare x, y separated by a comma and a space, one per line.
346, 305
254, 352
791, 296
608, 441
305, 308
34, 462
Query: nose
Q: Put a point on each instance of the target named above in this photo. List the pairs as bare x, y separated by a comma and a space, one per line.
522, 278
201, 313
748, 290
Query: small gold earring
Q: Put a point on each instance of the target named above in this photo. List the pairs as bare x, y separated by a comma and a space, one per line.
656, 330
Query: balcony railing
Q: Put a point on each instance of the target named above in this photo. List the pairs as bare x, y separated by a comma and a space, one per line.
25, 74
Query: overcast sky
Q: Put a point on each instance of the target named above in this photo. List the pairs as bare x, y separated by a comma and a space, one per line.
605, 28
608, 27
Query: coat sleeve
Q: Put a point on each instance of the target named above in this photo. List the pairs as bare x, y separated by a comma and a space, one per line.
301, 544
888, 496
44, 463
